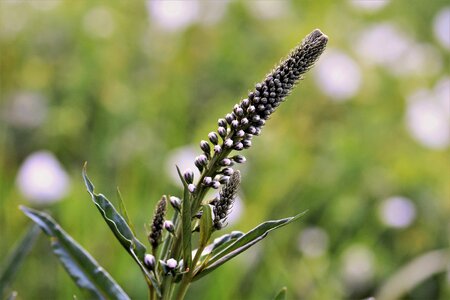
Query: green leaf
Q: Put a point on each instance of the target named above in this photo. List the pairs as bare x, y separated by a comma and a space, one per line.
281, 295
121, 230
17, 256
206, 225
115, 221
218, 245
186, 224
243, 243
80, 265
123, 211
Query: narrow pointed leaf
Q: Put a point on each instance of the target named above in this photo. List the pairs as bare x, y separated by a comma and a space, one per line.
123, 211
206, 225
115, 221
17, 256
243, 243
81, 266
218, 245
186, 224
121, 229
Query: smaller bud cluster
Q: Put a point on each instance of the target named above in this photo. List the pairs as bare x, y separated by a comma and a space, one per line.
224, 202
158, 223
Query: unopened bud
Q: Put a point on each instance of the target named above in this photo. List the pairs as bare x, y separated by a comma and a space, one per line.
188, 176
168, 225
213, 138
171, 263
239, 158
204, 145
175, 202
149, 261
191, 188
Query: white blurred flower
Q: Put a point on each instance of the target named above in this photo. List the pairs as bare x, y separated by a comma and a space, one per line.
397, 212
184, 158
357, 265
45, 5
338, 75
369, 5
442, 94
99, 22
213, 11
386, 45
268, 9
26, 110
441, 27
427, 116
173, 15
12, 20
313, 241
382, 44
42, 179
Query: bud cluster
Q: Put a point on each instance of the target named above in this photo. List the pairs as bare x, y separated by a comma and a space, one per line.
158, 223
224, 202
236, 130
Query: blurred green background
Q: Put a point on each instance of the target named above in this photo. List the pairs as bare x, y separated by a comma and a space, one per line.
131, 86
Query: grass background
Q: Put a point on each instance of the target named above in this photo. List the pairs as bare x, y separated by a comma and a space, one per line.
124, 101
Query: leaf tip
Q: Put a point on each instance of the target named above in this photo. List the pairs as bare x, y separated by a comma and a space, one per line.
87, 182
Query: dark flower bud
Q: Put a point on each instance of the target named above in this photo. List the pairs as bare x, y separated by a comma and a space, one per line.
204, 145
175, 202
217, 149
251, 109
246, 143
251, 129
245, 103
240, 133
234, 124
244, 121
171, 263
228, 143
215, 185
149, 261
255, 118
169, 266
238, 146
202, 159
222, 123
188, 176
207, 181
257, 131
213, 137
224, 179
225, 162
239, 112
239, 158
227, 171
191, 187
222, 131
229, 118
168, 225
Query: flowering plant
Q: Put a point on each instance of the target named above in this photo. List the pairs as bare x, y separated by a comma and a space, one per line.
172, 263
